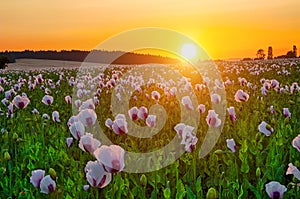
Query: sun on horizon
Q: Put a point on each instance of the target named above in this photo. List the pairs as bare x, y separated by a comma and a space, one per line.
188, 51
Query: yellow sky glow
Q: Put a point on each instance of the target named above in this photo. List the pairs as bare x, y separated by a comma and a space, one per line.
224, 28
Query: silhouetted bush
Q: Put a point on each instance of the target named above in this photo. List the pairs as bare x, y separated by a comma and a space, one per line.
3, 62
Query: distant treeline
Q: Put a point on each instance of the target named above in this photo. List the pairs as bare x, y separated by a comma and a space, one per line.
97, 56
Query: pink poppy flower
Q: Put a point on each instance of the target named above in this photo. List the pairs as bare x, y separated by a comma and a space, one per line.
242, 81
265, 128
111, 157
86, 187
96, 100
77, 129
201, 108
8, 94
5, 102
232, 114
275, 84
114, 76
46, 116
87, 117
47, 99
215, 98
219, 84
133, 113
293, 170
267, 85
155, 95
39, 79
47, 185
296, 142
264, 91
120, 125
143, 113
231, 145
89, 143
88, 104
272, 109
68, 99
241, 96
189, 139
10, 110
147, 96
286, 112
36, 177
35, 111
80, 93
55, 116
69, 141
71, 120
173, 91
198, 87
151, 120
212, 119
275, 190
96, 175
179, 128
47, 91
20, 102
187, 103
78, 103
109, 123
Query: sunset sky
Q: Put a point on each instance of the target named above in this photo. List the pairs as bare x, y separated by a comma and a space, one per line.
224, 28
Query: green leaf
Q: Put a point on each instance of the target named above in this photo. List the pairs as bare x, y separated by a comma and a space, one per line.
68, 196
241, 193
198, 185
190, 193
253, 189
167, 193
180, 190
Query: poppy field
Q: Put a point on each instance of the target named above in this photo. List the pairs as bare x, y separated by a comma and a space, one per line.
71, 133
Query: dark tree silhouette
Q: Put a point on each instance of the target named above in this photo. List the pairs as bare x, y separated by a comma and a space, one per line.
98, 56
260, 54
270, 52
3, 62
295, 50
290, 54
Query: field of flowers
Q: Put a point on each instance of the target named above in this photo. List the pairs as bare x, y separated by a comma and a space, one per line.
67, 133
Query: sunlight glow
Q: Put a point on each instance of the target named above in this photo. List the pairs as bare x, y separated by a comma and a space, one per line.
188, 51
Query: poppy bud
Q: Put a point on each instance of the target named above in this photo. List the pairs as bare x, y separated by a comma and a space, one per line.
52, 174
211, 194
7, 156
258, 172
143, 180
15, 136
291, 102
218, 151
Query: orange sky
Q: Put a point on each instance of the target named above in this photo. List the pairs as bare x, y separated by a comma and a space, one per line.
225, 28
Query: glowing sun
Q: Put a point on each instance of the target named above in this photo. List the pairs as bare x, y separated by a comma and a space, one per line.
188, 51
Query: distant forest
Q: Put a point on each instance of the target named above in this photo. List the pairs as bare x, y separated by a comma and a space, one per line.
97, 56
